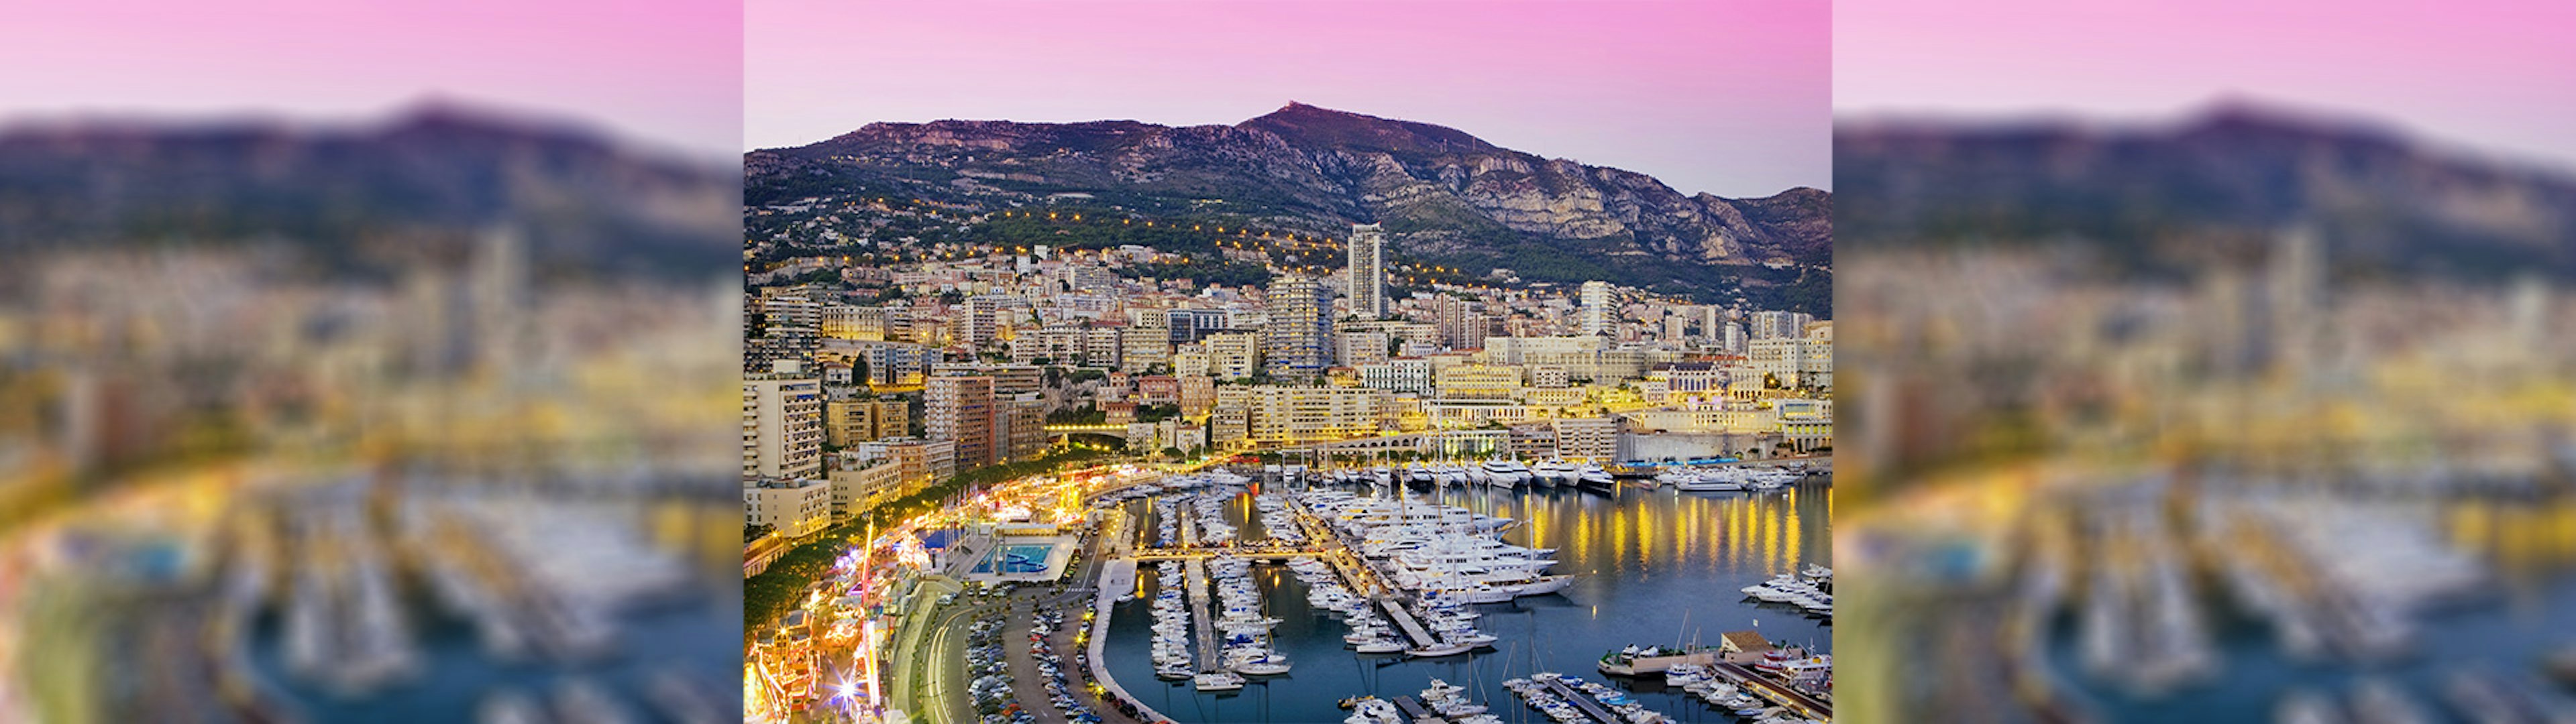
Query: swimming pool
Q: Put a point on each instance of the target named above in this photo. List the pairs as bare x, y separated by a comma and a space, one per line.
1016, 559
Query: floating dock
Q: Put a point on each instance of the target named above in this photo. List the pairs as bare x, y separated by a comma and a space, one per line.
1583, 702
1774, 691
1415, 711
1395, 611
1200, 623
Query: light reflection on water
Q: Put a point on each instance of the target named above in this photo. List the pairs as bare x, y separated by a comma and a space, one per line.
1653, 567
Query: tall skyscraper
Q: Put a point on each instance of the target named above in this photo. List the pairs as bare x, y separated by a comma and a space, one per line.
1368, 271
1298, 336
1596, 307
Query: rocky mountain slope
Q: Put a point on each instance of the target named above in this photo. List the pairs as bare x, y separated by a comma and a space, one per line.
1444, 195
370, 196
2220, 184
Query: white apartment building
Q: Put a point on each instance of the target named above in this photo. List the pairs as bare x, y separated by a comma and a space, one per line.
1597, 313
1290, 415
858, 489
795, 507
1233, 355
1361, 347
1397, 375
1587, 438
782, 423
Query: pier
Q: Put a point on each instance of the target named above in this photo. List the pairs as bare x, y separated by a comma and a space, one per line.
1395, 611
1415, 711
1200, 623
1772, 690
1583, 702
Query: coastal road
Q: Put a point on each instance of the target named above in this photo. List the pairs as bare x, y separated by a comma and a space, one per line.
941, 666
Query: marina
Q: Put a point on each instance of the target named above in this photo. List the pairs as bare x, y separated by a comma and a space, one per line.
1381, 589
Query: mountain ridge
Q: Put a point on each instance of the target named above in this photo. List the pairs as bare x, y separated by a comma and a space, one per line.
1443, 194
431, 170
2219, 181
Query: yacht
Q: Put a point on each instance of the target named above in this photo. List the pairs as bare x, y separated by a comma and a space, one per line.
1595, 477
1719, 480
1259, 663
1381, 645
1373, 710
1553, 471
1217, 681
1506, 473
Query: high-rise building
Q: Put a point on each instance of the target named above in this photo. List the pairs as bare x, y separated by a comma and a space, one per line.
1361, 347
1367, 270
1233, 355
849, 422
844, 321
1101, 344
1192, 360
1019, 428
1596, 307
1146, 341
1777, 324
782, 423
1460, 326
1298, 335
960, 409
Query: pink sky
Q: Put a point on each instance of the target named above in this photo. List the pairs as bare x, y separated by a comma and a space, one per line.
664, 72
2499, 76
1729, 97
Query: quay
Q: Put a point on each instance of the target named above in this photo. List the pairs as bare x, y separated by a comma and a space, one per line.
1583, 702
1101, 602
1772, 690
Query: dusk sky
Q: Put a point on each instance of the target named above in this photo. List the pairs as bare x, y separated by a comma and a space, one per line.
664, 72
1729, 97
2497, 77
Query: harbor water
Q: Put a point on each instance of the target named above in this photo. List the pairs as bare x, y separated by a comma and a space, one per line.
1651, 567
